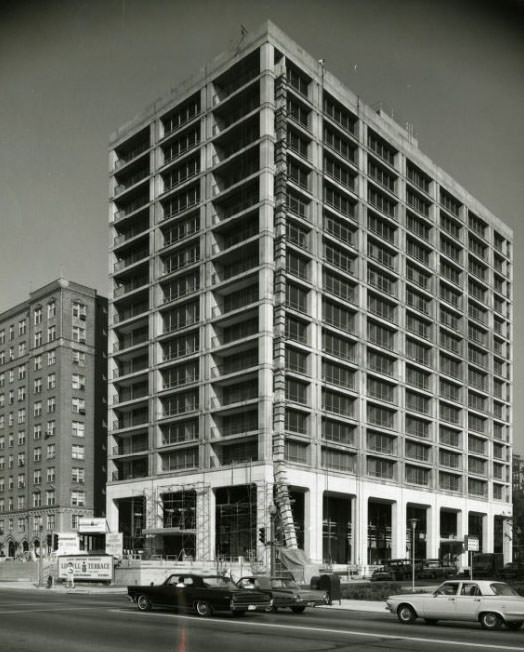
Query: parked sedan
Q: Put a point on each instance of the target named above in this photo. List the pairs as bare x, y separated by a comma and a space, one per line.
284, 592
489, 602
203, 594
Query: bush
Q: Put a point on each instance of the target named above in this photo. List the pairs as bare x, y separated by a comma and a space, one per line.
370, 591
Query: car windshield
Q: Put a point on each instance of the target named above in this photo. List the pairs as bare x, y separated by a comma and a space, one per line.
447, 589
218, 580
279, 583
499, 588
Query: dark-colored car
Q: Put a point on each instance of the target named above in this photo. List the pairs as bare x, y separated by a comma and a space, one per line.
395, 570
203, 594
434, 569
284, 592
513, 570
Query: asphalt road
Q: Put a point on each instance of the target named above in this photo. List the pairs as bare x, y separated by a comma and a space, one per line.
40, 621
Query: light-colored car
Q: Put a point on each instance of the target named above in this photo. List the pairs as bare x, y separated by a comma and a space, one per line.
489, 602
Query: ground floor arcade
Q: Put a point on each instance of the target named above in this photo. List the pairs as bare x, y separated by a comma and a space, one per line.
338, 519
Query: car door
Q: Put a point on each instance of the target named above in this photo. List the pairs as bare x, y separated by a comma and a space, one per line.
442, 605
467, 602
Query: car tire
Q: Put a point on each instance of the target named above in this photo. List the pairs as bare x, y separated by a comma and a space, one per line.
203, 608
143, 603
297, 610
490, 620
430, 621
406, 614
515, 624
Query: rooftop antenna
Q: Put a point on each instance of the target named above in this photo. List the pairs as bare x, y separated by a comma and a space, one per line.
243, 32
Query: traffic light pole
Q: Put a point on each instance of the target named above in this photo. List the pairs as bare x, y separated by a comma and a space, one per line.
272, 542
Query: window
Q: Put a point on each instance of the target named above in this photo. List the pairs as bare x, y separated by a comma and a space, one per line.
418, 352
296, 391
338, 346
51, 404
339, 173
78, 405
380, 468
78, 429
418, 326
337, 460
449, 482
37, 316
381, 281
382, 202
379, 389
38, 338
449, 459
381, 175
78, 475
337, 403
417, 451
50, 475
382, 307
297, 265
383, 149
296, 451
37, 499
417, 475
51, 333
296, 298
417, 377
339, 258
450, 225
79, 358
450, 272
418, 301
79, 334
450, 366
449, 202
51, 451
381, 227
296, 421
450, 342
418, 202
37, 454
381, 254
450, 391
78, 451
380, 443
78, 498
78, 381
380, 416
418, 276
338, 431
381, 335
37, 363
296, 330
336, 374
380, 362
51, 429
449, 413
338, 285
418, 226
477, 225
37, 408
418, 402
51, 381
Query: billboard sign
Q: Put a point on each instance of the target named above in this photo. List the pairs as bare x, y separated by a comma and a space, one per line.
88, 525
85, 567
472, 543
68, 543
115, 544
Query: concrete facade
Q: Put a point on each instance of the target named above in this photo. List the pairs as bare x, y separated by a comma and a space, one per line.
294, 282
52, 415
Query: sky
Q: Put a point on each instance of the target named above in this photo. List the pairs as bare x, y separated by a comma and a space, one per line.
73, 71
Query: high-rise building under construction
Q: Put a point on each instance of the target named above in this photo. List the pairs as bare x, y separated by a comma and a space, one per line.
305, 312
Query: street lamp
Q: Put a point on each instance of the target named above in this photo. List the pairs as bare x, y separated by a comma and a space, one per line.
413, 522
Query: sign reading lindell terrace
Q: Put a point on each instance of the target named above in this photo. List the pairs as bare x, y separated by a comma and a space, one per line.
85, 567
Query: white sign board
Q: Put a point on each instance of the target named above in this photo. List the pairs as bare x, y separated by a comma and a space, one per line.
68, 543
85, 567
88, 525
115, 544
472, 544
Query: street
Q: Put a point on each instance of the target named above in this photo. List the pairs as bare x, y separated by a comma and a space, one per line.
41, 621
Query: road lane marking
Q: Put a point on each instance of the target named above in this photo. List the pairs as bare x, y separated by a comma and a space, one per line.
326, 630
8, 611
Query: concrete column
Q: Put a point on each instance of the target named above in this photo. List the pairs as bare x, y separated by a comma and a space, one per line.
112, 514
360, 531
205, 524
507, 540
313, 501
462, 531
488, 531
432, 531
398, 529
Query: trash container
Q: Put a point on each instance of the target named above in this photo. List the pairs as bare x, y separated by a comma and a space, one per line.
330, 584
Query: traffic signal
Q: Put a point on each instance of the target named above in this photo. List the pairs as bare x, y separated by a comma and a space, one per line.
262, 535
